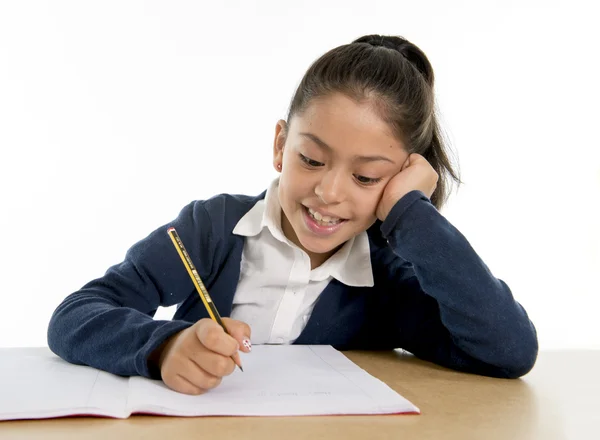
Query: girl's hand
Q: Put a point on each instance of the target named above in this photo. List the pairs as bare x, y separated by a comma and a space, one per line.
416, 173
196, 359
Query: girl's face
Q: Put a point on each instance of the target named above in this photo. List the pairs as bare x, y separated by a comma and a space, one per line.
336, 159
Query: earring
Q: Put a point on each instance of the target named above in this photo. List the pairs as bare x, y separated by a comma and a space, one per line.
278, 167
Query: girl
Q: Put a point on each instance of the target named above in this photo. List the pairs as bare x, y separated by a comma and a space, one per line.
346, 247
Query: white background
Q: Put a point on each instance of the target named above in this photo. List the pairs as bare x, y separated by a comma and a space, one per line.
115, 114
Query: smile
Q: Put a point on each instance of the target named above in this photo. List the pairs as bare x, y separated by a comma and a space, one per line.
324, 219
321, 225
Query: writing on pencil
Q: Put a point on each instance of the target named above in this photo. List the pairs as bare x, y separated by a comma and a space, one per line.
204, 296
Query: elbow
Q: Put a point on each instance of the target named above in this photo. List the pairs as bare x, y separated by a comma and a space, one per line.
59, 336
520, 367
520, 358
65, 327
54, 335
509, 358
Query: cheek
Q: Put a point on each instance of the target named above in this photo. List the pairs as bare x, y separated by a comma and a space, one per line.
291, 188
367, 204
295, 180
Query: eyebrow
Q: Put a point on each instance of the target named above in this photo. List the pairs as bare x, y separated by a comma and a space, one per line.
324, 146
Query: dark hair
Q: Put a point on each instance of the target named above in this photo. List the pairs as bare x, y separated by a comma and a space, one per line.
397, 78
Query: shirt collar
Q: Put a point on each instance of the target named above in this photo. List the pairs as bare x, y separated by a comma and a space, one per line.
351, 264
265, 213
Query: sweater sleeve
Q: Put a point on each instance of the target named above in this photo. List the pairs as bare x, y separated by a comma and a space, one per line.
108, 323
474, 324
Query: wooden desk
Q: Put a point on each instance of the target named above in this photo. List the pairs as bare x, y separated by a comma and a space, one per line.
559, 399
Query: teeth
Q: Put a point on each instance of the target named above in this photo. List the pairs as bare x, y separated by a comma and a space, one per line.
323, 218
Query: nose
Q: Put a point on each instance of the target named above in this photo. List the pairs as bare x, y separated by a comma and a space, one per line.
330, 189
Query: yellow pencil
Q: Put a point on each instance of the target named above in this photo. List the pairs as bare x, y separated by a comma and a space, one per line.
191, 269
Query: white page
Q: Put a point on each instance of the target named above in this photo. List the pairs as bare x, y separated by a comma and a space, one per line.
35, 383
279, 380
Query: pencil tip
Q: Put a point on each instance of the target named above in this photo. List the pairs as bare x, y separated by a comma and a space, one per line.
241, 368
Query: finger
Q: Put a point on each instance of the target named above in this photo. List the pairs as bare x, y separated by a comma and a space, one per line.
214, 338
182, 385
216, 365
208, 360
406, 163
416, 158
241, 332
199, 376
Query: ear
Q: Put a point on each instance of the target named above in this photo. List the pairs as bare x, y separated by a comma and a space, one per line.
279, 144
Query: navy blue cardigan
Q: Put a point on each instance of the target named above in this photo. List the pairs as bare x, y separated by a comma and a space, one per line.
433, 296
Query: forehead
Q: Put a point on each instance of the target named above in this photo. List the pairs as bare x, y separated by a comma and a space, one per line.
348, 126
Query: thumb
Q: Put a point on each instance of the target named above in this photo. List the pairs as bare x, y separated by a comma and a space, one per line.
241, 332
406, 163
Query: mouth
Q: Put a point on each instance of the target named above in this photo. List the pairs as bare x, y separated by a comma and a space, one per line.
325, 220
321, 224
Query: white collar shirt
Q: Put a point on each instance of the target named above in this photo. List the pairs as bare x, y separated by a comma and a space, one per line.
277, 289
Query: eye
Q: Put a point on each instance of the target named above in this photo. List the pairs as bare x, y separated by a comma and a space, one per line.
308, 161
367, 180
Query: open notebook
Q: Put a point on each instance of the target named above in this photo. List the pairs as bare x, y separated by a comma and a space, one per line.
278, 380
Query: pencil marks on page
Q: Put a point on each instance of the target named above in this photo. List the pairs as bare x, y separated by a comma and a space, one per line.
341, 371
277, 380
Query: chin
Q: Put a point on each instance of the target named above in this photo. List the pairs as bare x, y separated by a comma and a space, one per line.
319, 246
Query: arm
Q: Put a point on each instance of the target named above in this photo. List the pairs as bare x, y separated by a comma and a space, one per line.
474, 324
108, 323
